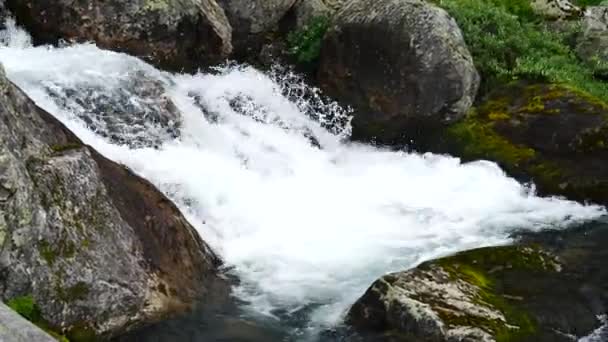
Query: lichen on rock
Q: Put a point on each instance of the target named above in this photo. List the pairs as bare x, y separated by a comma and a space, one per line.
470, 296
98, 249
552, 134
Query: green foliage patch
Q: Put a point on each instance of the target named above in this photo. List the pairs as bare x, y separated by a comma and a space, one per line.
509, 42
305, 44
27, 308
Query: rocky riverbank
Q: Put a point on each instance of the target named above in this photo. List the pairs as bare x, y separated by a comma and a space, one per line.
96, 251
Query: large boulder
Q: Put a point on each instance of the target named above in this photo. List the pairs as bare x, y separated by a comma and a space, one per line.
402, 64
89, 246
174, 34
510, 293
252, 19
554, 135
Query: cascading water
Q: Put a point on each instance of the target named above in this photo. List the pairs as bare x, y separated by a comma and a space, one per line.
260, 166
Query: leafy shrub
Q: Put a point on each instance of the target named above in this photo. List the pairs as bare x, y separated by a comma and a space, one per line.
508, 42
305, 44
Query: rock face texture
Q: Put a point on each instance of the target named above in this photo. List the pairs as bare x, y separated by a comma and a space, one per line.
593, 42
97, 249
14, 328
403, 65
134, 111
512, 293
556, 9
554, 135
252, 19
174, 34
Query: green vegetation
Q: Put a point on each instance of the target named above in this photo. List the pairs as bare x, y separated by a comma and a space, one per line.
509, 42
305, 44
27, 308
475, 267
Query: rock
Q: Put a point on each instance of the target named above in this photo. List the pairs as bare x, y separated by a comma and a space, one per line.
304, 11
490, 294
14, 328
592, 44
174, 34
251, 20
135, 110
95, 249
553, 135
556, 9
403, 66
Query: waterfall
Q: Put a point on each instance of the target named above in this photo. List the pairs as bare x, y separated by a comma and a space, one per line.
261, 165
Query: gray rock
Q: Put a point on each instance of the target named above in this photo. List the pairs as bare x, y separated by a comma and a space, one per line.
556, 9
99, 249
402, 64
175, 34
251, 19
306, 10
490, 294
593, 43
14, 328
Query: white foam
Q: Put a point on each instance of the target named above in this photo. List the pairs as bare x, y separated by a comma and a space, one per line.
299, 224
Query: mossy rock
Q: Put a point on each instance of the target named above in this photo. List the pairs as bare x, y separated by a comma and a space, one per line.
554, 135
499, 294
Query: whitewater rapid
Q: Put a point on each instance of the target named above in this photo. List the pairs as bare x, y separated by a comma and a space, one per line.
262, 168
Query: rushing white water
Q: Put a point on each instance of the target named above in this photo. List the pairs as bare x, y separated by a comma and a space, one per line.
306, 220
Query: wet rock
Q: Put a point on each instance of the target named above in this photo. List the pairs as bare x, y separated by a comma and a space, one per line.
403, 66
94, 248
554, 135
506, 293
174, 34
135, 111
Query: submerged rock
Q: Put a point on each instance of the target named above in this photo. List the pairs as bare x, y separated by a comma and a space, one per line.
135, 111
95, 249
553, 135
175, 34
402, 64
511, 293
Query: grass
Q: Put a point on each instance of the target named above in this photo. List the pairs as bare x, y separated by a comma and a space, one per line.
509, 42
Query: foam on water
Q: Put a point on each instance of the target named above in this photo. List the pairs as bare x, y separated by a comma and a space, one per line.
306, 220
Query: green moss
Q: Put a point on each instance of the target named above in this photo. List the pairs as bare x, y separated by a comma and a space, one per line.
27, 308
72, 293
64, 248
305, 44
82, 333
479, 141
47, 252
65, 147
477, 267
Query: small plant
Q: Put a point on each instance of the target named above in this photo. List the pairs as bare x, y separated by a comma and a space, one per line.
509, 42
27, 308
305, 44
